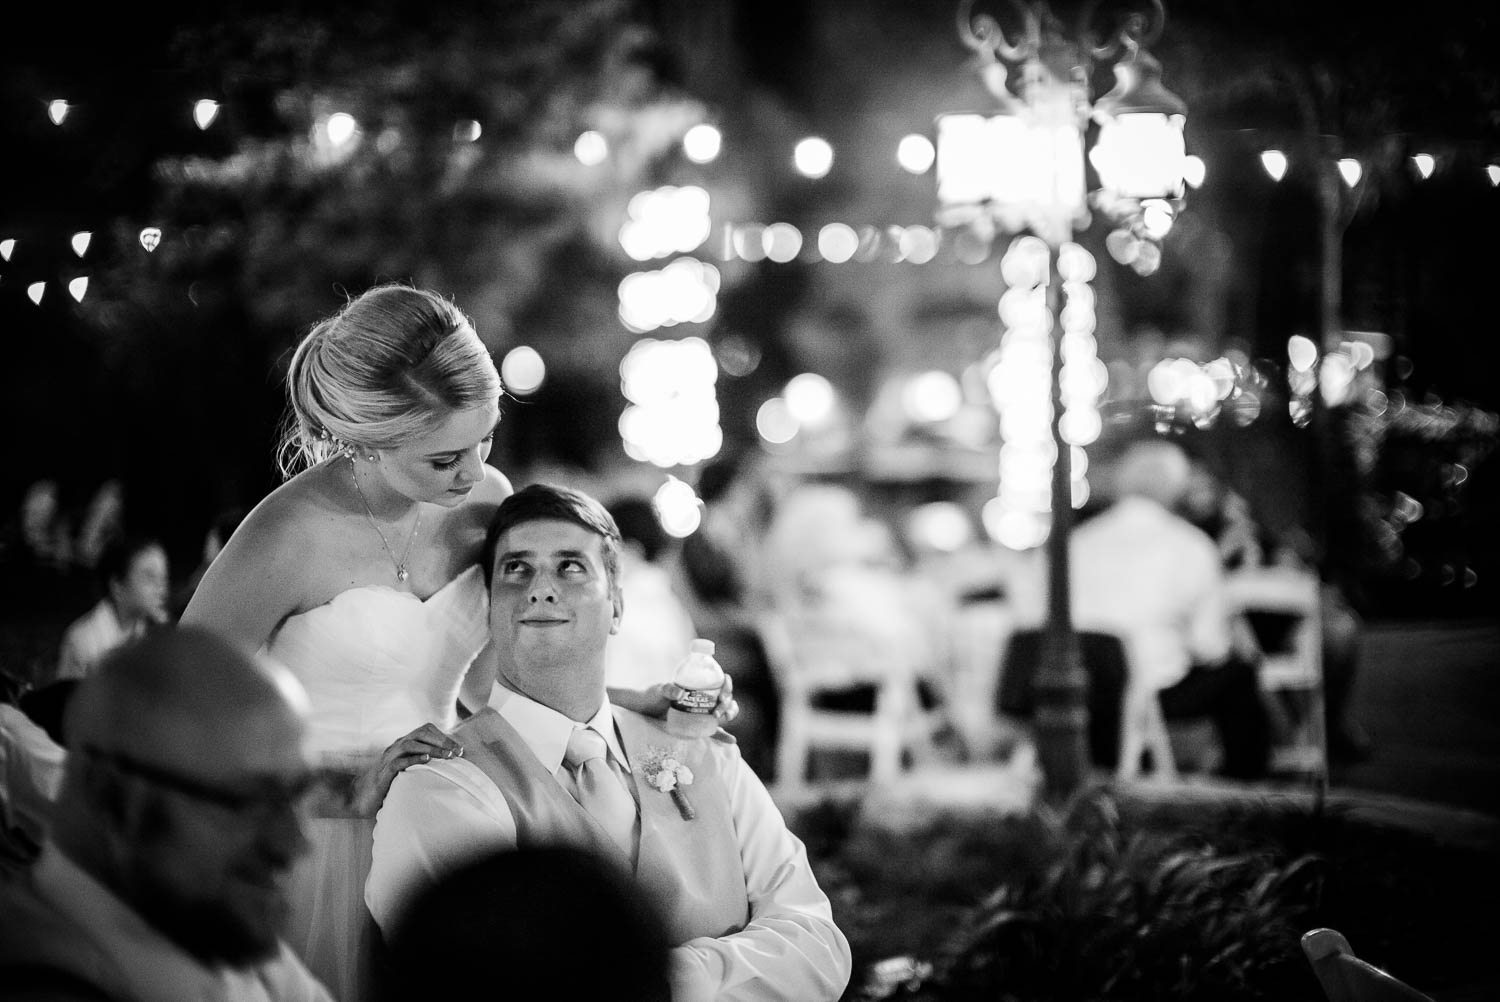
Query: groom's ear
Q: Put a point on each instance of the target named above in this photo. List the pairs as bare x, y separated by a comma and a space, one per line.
619, 602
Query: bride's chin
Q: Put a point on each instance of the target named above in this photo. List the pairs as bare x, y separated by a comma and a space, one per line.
451, 499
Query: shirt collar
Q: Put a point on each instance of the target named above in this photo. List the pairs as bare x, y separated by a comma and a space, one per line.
546, 731
152, 965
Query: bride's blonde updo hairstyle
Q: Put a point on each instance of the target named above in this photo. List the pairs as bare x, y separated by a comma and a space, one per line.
390, 365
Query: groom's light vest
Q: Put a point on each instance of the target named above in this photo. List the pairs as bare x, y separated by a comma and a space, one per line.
692, 867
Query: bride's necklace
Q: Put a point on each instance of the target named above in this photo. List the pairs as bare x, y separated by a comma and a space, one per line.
401, 572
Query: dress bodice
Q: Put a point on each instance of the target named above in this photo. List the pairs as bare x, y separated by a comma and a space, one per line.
377, 662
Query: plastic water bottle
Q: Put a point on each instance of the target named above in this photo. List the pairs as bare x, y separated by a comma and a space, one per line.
691, 714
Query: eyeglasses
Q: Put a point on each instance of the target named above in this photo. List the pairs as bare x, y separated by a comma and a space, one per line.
268, 799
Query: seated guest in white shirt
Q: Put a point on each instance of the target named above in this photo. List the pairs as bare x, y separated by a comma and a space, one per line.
741, 903
133, 575
1147, 575
164, 874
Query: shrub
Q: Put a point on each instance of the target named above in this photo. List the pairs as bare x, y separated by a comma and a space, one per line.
1121, 912
1122, 897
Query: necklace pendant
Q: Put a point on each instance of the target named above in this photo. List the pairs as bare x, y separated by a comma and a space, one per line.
401, 574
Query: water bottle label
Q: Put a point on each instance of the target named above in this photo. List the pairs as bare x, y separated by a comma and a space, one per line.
696, 701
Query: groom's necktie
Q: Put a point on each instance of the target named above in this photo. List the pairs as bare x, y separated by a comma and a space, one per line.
599, 789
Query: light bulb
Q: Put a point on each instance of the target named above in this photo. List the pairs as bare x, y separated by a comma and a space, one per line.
1275, 163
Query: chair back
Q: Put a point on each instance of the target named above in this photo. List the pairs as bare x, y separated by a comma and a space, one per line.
837, 690
1346, 978
1284, 607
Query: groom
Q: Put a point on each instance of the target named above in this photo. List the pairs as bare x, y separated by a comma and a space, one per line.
551, 762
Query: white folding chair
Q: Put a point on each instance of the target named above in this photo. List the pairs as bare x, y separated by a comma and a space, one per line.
1292, 672
808, 663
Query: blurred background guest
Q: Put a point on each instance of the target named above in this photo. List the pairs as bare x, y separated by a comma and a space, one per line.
721, 576
103, 523
44, 537
1143, 573
654, 638
1246, 543
133, 574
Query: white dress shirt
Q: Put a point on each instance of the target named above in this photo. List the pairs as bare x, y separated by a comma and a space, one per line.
90, 637
1148, 576
441, 815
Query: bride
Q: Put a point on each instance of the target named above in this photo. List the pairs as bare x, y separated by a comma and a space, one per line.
360, 573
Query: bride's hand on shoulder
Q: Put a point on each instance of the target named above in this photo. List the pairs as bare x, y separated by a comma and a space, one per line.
413, 748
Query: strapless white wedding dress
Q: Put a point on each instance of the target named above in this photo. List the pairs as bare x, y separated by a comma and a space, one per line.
376, 663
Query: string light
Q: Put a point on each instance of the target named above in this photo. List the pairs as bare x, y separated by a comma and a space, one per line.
701, 144
522, 370
205, 110
813, 157
915, 154
1275, 163
591, 149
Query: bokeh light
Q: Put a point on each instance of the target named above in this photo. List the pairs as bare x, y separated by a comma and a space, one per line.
205, 110
591, 148
701, 144
774, 422
522, 370
1275, 164
810, 399
837, 242
783, 242
813, 157
940, 526
1194, 170
1301, 353
673, 415
915, 154
931, 397
678, 508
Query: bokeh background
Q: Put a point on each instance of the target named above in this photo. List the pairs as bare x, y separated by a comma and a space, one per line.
462, 172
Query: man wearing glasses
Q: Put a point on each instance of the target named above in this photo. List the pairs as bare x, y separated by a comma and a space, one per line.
179, 820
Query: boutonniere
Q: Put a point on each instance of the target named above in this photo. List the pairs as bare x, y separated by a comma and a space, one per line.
665, 773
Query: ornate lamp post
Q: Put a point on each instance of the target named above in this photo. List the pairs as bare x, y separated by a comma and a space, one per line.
1024, 165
